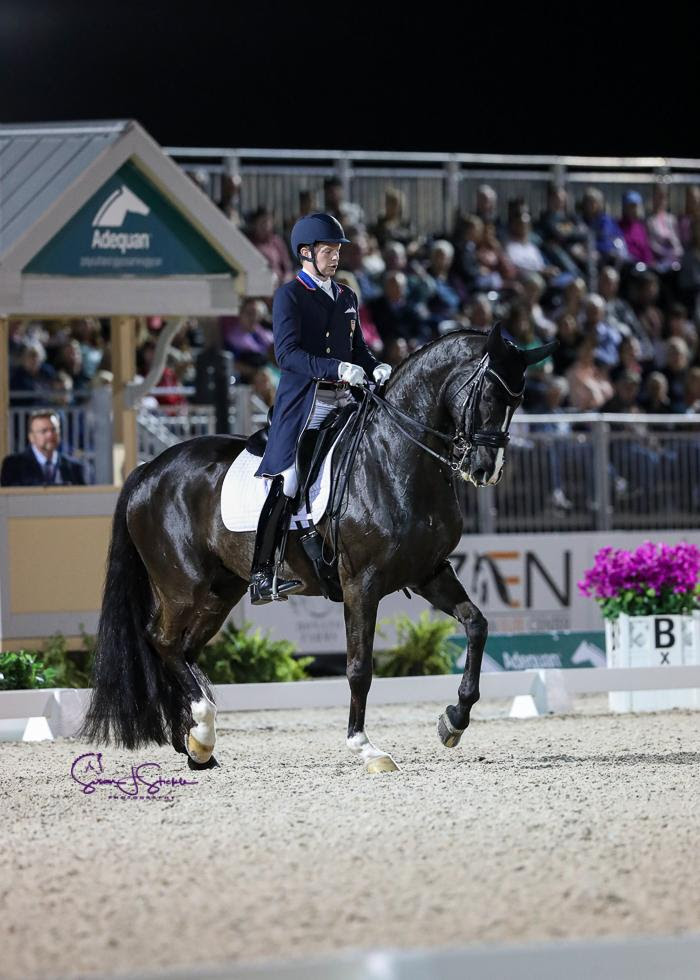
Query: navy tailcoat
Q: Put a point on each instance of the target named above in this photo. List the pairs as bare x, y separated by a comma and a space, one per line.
313, 334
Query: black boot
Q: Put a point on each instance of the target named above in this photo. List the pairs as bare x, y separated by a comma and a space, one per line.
274, 517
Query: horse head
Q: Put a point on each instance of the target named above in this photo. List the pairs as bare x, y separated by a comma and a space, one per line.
495, 390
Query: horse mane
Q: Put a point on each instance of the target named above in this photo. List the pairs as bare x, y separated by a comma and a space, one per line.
407, 364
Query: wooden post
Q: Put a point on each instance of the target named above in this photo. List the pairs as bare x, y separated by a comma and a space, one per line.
123, 343
4, 387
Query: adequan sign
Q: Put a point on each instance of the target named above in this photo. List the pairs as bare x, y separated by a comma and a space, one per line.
128, 228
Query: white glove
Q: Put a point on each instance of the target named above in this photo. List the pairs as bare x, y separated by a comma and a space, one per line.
382, 372
352, 373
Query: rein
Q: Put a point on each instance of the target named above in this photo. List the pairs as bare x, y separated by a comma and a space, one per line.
467, 435
463, 442
339, 484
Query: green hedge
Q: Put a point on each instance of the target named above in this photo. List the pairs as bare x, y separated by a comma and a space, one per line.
238, 656
241, 656
23, 670
424, 647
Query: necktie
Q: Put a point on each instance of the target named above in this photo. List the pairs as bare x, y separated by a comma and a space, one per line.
48, 472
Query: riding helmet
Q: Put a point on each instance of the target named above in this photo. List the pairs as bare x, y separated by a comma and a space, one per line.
314, 228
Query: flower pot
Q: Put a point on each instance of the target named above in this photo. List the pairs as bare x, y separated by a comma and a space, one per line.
653, 641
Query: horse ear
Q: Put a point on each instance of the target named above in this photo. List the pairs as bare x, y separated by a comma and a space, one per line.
536, 354
496, 345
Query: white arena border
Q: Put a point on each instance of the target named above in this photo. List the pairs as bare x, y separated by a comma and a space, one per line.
638, 958
54, 712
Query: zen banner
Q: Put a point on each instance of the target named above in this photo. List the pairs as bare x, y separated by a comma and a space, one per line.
522, 583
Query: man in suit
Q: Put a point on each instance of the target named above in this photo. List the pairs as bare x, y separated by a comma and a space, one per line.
317, 338
41, 464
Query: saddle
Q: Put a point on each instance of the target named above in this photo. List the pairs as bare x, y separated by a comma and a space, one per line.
257, 443
314, 446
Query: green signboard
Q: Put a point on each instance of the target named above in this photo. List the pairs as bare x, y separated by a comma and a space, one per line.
128, 229
535, 651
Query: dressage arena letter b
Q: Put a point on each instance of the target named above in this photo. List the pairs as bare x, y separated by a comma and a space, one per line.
663, 633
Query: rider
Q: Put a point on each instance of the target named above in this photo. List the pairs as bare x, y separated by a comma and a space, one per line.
318, 337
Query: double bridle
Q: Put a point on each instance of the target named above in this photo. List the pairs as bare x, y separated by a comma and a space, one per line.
467, 437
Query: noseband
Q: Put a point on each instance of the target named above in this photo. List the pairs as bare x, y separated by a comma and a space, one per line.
467, 437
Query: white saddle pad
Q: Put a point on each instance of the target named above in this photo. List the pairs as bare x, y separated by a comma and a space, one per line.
243, 494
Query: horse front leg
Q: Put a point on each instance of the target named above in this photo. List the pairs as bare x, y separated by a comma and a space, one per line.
446, 592
360, 622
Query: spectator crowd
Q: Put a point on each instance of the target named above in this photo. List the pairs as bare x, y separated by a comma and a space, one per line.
619, 291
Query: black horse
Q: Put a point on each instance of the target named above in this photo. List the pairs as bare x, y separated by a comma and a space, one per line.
175, 572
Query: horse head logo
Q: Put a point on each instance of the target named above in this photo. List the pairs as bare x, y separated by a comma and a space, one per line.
115, 209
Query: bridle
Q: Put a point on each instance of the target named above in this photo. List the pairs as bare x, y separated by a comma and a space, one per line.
467, 436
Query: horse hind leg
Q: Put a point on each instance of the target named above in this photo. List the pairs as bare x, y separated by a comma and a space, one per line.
178, 638
208, 619
201, 737
188, 701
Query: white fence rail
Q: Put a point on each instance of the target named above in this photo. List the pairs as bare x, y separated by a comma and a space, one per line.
36, 715
435, 185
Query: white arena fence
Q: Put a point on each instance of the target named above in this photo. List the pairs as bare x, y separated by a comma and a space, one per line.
37, 715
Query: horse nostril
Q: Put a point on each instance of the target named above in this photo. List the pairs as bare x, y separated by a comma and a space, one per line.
480, 476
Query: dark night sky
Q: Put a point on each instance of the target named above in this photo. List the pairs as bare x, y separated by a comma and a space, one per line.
378, 75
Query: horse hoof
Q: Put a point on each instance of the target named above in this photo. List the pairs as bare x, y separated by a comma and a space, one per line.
197, 766
197, 752
382, 763
448, 734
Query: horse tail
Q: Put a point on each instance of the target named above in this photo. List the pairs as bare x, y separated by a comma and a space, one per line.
132, 694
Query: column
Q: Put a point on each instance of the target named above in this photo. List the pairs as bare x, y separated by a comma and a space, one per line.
123, 343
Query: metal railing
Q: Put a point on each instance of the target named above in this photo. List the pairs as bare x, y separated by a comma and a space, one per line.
86, 428
86, 424
160, 428
164, 426
568, 472
435, 185
585, 472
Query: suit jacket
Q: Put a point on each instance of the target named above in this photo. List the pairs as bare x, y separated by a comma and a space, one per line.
23, 470
313, 334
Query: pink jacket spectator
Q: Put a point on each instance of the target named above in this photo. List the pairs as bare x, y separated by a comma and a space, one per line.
637, 240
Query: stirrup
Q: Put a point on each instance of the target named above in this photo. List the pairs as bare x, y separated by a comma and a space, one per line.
267, 587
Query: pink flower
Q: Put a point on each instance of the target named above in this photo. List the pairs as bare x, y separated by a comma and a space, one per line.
655, 569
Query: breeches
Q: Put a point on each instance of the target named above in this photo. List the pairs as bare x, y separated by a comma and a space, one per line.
326, 401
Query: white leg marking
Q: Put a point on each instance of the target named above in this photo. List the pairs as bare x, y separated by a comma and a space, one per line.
204, 713
360, 745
